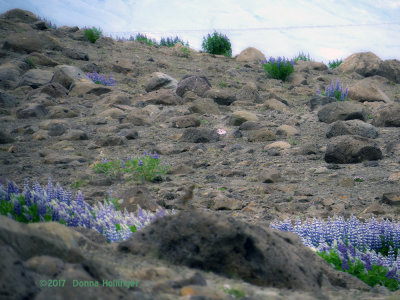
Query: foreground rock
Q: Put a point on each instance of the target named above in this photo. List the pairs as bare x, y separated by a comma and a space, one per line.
226, 246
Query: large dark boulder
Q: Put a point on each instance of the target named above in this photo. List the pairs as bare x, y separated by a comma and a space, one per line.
264, 257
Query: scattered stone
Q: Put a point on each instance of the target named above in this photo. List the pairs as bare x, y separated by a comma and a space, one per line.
199, 135
352, 127
249, 92
32, 110
392, 198
261, 135
241, 116
317, 101
75, 54
66, 75
36, 78
342, 111
162, 96
347, 149
158, 80
197, 84
388, 116
220, 97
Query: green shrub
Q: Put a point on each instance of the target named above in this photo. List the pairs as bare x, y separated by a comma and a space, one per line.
92, 34
278, 68
302, 57
217, 43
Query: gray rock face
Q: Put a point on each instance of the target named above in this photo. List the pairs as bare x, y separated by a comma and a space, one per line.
347, 149
317, 101
197, 84
9, 76
363, 63
31, 42
199, 135
158, 80
390, 69
220, 97
342, 111
352, 127
388, 117
66, 75
36, 78
231, 248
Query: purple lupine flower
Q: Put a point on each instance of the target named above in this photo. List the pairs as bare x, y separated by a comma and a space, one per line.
345, 94
42, 209
17, 207
145, 153
122, 164
392, 273
28, 197
140, 163
56, 215
59, 193
337, 84
155, 156
68, 197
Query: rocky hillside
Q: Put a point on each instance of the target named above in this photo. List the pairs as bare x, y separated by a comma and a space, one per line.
286, 152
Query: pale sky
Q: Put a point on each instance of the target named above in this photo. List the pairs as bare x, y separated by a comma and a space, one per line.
277, 28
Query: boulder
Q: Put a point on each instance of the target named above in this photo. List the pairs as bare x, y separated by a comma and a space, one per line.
66, 75
158, 80
366, 90
388, 116
19, 15
363, 63
251, 54
390, 69
346, 149
197, 84
36, 78
9, 76
31, 41
352, 127
264, 257
341, 110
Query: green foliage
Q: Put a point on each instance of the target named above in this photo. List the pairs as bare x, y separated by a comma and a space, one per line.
146, 168
217, 43
7, 207
185, 51
234, 292
31, 63
77, 184
302, 57
377, 274
334, 64
142, 38
278, 69
92, 34
223, 84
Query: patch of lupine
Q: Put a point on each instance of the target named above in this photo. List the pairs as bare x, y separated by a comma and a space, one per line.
302, 57
217, 43
279, 68
334, 64
144, 39
38, 204
170, 41
373, 245
336, 91
101, 79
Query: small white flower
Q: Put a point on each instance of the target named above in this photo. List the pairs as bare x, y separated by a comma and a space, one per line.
221, 131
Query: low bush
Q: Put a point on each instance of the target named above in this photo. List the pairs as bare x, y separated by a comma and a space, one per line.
278, 68
170, 42
92, 34
217, 43
302, 57
334, 64
142, 38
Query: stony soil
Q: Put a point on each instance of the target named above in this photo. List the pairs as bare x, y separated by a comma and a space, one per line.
227, 172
